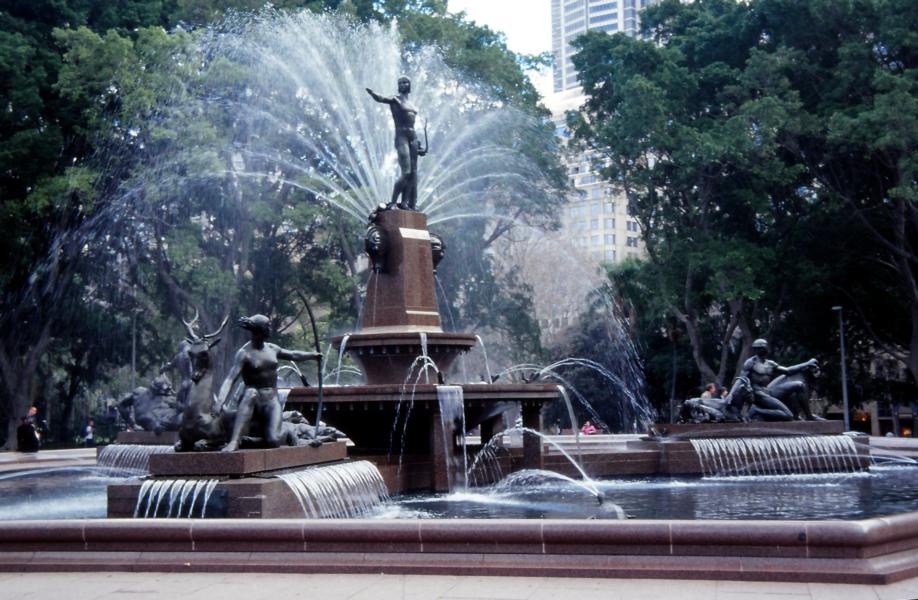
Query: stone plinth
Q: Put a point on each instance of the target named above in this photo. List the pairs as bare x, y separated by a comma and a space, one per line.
245, 498
243, 462
148, 438
401, 297
678, 457
367, 413
685, 431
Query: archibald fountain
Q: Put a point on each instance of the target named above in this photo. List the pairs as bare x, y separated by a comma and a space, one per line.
400, 337
407, 423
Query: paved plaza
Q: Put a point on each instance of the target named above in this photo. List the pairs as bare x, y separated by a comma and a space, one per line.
231, 586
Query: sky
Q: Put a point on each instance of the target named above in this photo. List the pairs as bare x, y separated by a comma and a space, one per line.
526, 23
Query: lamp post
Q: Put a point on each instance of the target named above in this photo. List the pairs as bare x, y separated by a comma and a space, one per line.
844, 376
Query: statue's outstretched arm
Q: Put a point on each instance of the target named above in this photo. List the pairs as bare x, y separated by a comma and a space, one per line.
231, 377
794, 369
298, 355
168, 366
378, 98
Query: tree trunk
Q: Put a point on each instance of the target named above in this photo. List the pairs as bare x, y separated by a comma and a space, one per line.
73, 386
18, 367
697, 348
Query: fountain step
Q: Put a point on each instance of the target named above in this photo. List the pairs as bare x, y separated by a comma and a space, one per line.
640, 462
244, 462
890, 446
336, 489
147, 438
684, 431
679, 457
245, 498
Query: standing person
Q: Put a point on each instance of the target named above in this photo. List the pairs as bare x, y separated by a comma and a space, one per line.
26, 436
407, 145
88, 433
39, 425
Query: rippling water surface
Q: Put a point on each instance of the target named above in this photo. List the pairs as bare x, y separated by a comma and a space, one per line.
81, 493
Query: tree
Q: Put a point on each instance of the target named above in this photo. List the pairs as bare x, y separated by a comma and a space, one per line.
746, 136
850, 75
147, 210
672, 125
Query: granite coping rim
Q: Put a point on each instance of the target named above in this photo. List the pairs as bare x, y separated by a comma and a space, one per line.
875, 571
821, 551
557, 532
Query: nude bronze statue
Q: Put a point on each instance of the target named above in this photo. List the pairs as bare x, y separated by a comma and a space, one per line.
407, 145
774, 386
774, 393
256, 363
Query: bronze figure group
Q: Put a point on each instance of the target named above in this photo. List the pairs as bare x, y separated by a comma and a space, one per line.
768, 391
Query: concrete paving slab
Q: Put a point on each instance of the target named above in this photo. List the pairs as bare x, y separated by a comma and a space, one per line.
258, 586
773, 587
825, 591
497, 588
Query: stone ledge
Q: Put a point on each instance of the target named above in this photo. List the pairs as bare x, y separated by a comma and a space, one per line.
888, 569
148, 438
822, 545
685, 431
244, 462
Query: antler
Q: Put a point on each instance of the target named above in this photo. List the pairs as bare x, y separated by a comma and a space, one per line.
190, 326
209, 336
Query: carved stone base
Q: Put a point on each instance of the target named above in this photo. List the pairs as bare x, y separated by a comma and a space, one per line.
245, 498
244, 462
686, 431
147, 438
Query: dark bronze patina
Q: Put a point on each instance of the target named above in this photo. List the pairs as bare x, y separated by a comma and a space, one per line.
256, 363
407, 145
774, 393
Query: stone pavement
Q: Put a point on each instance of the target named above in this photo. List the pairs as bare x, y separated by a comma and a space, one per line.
46, 459
232, 586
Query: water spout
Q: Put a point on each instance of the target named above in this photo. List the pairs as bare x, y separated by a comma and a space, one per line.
346, 490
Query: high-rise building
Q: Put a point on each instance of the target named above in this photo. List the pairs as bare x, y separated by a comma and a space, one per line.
595, 218
570, 18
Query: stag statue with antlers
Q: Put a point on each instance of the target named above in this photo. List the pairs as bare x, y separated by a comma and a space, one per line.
203, 426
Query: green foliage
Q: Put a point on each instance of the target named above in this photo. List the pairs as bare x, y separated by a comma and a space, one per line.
745, 137
103, 133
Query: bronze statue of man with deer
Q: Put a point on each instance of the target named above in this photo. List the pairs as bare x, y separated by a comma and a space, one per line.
210, 422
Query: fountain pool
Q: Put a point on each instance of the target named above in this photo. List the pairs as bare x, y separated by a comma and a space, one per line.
80, 493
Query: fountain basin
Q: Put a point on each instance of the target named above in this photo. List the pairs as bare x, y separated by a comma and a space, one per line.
385, 357
869, 551
414, 457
